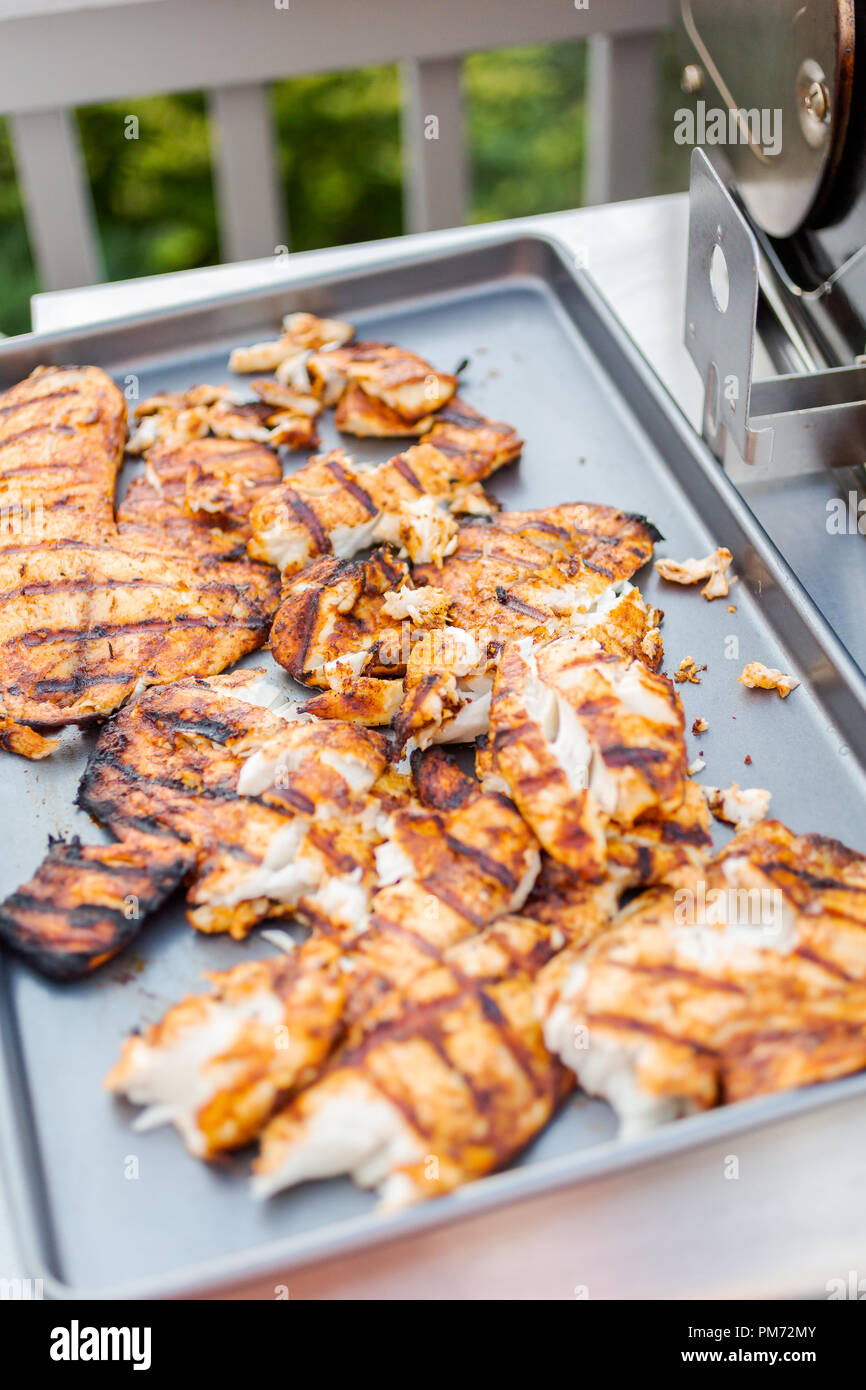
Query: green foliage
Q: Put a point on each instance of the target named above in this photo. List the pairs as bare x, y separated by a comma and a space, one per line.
153, 194
17, 275
339, 137
525, 112
341, 163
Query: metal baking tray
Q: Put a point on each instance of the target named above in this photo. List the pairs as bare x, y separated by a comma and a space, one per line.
547, 354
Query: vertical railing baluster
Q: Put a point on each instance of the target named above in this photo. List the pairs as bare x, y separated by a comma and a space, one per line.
57, 199
434, 157
621, 107
246, 173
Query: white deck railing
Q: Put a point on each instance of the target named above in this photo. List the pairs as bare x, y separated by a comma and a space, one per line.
56, 55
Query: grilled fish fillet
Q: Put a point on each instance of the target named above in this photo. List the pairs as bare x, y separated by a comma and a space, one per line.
530, 574
280, 416
445, 1081
198, 497
662, 847
332, 621
91, 610
217, 1064
581, 740
502, 585
302, 335
379, 388
331, 506
277, 809
754, 981
85, 903
62, 432
559, 569
614, 543
205, 1060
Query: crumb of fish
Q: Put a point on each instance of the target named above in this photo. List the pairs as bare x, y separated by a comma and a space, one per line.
758, 676
740, 806
688, 671
711, 567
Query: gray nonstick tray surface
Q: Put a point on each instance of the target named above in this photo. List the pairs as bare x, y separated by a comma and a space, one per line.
103, 1211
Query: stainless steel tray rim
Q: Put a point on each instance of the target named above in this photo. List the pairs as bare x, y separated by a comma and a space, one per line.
496, 1190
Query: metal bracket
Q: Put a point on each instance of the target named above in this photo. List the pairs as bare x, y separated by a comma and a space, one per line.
778, 428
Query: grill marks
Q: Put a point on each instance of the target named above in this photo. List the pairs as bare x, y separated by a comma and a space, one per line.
622, 1022
586, 744
354, 487
611, 542
660, 971
523, 575
85, 903
37, 401
227, 1105
645, 759
307, 517
385, 931
763, 990
10, 439
100, 631
434, 1020
518, 606
486, 862
58, 586
174, 757
90, 607
333, 609
407, 473
457, 1055
472, 858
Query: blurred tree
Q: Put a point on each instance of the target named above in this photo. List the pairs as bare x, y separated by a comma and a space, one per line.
526, 129
17, 274
339, 139
153, 194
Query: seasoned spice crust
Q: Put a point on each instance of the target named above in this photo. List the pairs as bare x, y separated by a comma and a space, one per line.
93, 608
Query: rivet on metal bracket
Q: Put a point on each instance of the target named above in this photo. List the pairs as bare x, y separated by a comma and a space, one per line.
779, 428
